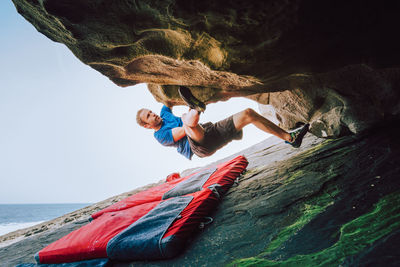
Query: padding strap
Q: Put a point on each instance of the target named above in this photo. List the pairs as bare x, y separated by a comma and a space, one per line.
207, 221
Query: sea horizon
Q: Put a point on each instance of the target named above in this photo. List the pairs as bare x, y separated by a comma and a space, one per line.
16, 216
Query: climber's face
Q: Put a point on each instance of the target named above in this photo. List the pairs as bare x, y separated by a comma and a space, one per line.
152, 120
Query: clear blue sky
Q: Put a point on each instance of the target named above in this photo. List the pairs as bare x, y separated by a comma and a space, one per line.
68, 134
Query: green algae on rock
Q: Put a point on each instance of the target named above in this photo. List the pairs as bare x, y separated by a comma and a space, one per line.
355, 236
311, 208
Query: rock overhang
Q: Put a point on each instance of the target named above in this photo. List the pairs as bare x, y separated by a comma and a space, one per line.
332, 63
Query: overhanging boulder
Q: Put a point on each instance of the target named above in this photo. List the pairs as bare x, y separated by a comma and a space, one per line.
331, 63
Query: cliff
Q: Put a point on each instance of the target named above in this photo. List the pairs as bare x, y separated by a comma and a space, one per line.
329, 203
332, 63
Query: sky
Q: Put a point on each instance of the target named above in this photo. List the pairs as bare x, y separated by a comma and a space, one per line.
69, 135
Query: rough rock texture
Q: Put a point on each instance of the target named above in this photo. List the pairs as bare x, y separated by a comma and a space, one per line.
329, 203
333, 63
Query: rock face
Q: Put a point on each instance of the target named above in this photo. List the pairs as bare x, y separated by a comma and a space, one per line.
329, 203
332, 63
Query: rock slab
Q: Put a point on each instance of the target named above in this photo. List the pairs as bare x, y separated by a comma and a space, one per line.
329, 203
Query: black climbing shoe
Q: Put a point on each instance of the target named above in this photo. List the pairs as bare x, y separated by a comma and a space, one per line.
297, 136
190, 100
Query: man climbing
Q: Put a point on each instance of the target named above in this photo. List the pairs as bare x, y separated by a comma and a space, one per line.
190, 137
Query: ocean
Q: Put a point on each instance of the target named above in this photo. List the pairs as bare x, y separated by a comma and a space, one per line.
19, 216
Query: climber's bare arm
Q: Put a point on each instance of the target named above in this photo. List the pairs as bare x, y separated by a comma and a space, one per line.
178, 133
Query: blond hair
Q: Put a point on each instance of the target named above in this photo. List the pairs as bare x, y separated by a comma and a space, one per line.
138, 119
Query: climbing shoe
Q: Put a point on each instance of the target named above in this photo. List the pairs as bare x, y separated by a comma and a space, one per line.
297, 136
190, 100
